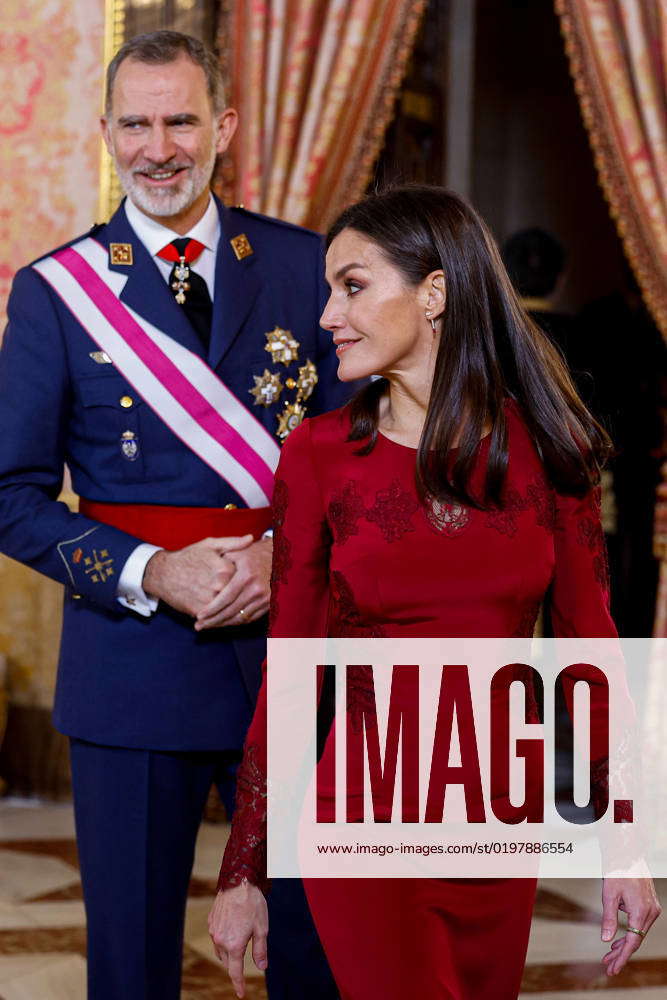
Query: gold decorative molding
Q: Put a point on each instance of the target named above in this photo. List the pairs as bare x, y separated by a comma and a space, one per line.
114, 36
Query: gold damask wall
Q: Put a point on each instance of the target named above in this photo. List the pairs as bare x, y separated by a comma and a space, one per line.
51, 54
51, 62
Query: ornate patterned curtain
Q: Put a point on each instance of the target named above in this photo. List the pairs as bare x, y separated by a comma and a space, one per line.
314, 82
618, 57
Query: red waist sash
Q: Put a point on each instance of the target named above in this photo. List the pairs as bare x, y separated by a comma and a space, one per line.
176, 527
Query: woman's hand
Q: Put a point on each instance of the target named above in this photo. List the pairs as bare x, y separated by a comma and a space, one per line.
238, 914
637, 898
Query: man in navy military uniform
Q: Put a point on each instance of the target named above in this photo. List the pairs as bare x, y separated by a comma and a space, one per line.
163, 357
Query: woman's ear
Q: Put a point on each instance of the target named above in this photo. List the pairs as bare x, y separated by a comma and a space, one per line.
436, 295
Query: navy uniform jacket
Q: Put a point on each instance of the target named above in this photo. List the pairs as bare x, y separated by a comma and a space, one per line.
125, 680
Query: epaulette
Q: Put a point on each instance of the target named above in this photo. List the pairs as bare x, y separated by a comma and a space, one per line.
271, 220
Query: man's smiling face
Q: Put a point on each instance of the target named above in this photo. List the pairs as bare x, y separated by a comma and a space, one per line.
164, 136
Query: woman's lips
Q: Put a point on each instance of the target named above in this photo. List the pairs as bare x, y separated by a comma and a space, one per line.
344, 345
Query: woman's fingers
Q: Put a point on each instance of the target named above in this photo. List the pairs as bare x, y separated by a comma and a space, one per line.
610, 902
626, 946
640, 919
637, 898
235, 970
259, 950
238, 915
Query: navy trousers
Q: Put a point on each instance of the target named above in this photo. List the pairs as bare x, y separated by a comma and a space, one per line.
298, 968
137, 815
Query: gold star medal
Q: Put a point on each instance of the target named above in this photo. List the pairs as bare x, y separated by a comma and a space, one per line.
282, 346
267, 388
290, 419
307, 380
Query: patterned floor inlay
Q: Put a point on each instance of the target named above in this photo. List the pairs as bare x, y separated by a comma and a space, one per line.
43, 938
589, 976
552, 906
204, 980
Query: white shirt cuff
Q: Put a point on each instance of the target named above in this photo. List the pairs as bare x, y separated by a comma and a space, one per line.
130, 592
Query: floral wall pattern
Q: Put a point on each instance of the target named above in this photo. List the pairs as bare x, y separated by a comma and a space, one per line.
51, 84
51, 54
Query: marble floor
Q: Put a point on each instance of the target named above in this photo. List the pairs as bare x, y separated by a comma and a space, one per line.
42, 926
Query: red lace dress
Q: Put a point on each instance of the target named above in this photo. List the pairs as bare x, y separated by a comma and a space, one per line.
357, 554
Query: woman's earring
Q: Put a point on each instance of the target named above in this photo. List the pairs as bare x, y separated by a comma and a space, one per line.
429, 316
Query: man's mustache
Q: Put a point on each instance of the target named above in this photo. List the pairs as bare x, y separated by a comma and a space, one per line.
154, 168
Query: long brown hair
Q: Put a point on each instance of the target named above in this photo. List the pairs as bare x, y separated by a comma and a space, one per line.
489, 350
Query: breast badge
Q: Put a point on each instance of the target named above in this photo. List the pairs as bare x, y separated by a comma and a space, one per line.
306, 381
267, 388
282, 346
290, 419
284, 349
129, 446
294, 412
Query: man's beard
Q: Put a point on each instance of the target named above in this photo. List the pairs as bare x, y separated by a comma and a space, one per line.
167, 201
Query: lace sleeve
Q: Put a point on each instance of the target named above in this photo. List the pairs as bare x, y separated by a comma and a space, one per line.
299, 606
301, 541
244, 859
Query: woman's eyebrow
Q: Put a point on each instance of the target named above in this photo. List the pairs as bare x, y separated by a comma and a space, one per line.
347, 267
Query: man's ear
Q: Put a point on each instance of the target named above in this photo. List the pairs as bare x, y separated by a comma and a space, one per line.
105, 129
226, 123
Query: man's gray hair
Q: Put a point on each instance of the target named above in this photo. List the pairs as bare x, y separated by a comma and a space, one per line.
162, 47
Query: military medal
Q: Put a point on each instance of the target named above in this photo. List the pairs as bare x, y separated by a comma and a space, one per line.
290, 419
282, 346
267, 388
181, 253
307, 380
284, 349
129, 445
180, 284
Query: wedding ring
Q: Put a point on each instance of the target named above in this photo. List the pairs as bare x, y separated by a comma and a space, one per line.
242, 613
635, 930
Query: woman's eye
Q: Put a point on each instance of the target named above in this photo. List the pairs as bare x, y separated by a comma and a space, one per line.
352, 287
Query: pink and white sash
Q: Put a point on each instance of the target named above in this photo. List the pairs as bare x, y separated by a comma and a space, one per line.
177, 384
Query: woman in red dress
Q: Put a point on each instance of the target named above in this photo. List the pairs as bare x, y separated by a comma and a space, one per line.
443, 501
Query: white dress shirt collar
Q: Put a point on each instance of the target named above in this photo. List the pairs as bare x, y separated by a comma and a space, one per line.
155, 236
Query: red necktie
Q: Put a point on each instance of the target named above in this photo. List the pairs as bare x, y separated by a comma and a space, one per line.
190, 289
